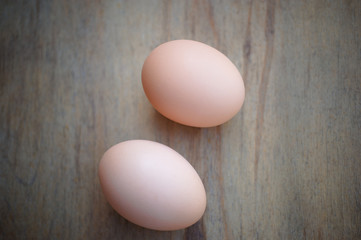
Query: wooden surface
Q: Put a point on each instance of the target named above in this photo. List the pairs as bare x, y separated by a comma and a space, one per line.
287, 166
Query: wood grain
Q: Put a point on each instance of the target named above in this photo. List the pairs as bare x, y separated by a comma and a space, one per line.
287, 166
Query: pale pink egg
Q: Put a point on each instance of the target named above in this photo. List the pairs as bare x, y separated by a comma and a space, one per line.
152, 185
192, 83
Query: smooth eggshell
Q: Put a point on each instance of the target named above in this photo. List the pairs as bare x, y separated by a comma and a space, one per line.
192, 83
152, 185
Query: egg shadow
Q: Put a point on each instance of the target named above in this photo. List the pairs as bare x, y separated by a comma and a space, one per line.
162, 122
128, 230
183, 139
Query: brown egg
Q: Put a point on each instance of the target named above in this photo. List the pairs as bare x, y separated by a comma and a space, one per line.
152, 185
192, 83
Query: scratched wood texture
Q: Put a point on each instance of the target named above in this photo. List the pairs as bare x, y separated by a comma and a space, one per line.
287, 166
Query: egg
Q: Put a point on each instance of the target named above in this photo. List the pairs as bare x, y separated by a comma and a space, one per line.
152, 185
192, 83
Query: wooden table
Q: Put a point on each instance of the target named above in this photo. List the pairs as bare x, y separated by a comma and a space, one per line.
287, 166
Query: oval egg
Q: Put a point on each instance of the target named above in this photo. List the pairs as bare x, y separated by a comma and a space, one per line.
152, 185
192, 83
